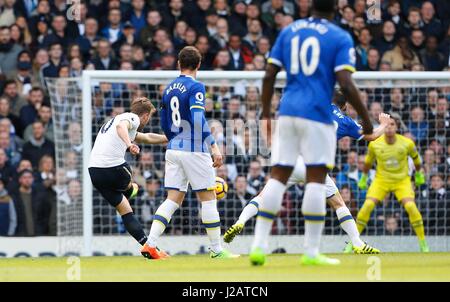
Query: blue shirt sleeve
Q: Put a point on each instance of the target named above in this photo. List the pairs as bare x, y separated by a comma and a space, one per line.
197, 108
346, 56
276, 53
353, 129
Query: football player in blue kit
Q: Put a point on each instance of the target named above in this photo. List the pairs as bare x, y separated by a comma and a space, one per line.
345, 126
315, 53
188, 159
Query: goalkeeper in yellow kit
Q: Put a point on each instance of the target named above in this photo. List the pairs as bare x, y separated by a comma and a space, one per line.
391, 152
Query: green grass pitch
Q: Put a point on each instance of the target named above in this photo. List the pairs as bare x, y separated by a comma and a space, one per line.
280, 267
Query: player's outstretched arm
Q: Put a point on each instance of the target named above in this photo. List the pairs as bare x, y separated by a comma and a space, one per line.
379, 131
268, 88
122, 131
351, 93
150, 138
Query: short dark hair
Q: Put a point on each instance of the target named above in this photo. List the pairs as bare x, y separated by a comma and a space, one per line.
326, 6
189, 58
339, 98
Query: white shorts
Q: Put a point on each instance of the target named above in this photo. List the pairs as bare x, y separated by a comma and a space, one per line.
294, 136
184, 167
299, 176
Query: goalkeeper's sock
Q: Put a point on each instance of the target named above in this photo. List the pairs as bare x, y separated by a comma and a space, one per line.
161, 220
250, 210
348, 224
271, 198
364, 214
314, 210
415, 218
211, 221
134, 228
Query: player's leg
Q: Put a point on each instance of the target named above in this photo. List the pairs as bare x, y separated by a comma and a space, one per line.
175, 182
284, 157
111, 182
133, 188
405, 194
377, 192
318, 147
251, 209
201, 175
161, 220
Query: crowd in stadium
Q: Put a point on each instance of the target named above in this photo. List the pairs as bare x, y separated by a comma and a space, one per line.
41, 38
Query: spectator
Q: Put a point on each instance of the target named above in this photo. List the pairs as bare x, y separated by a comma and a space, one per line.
8, 52
431, 58
239, 54
150, 199
397, 104
58, 34
6, 113
196, 14
391, 225
441, 129
362, 49
304, 9
431, 105
139, 62
41, 14
270, 7
238, 18
394, 14
221, 37
29, 112
74, 136
373, 60
417, 40
173, 13
104, 60
47, 199
28, 207
44, 116
203, 46
414, 21
138, 15
6, 170
89, 39
431, 25
349, 174
38, 145
263, 46
8, 215
374, 111
16, 102
77, 27
255, 177
431, 163
254, 34
401, 57
51, 69
153, 23
348, 14
222, 61
418, 126
113, 32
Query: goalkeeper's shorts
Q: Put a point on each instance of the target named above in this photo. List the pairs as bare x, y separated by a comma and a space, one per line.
401, 189
111, 182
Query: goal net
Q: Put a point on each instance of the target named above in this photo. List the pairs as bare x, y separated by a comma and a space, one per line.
88, 224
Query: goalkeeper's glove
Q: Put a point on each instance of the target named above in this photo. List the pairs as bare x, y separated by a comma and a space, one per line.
420, 178
362, 183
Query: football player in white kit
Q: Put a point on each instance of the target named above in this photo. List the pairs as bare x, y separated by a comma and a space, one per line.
110, 173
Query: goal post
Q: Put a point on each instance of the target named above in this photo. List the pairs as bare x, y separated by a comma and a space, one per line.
86, 92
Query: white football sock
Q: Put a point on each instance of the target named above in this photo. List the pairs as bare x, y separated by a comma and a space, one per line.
160, 220
211, 221
271, 198
348, 224
313, 209
250, 210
